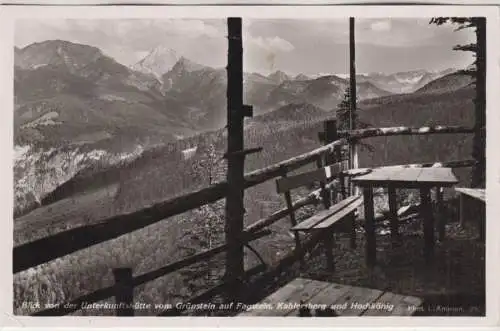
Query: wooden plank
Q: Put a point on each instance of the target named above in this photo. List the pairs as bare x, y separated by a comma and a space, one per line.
477, 193
406, 174
320, 216
391, 304
306, 178
311, 289
282, 295
330, 221
407, 177
357, 300
377, 175
327, 296
441, 176
311, 198
447, 164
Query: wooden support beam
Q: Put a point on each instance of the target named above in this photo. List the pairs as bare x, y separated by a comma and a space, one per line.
353, 147
371, 246
426, 206
328, 136
440, 213
393, 214
405, 131
236, 162
124, 291
243, 152
293, 221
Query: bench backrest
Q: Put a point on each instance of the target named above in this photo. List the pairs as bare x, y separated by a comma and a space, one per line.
286, 184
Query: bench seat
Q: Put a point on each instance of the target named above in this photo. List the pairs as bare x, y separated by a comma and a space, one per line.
327, 218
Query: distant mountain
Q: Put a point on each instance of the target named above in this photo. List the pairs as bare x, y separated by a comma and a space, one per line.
158, 62
279, 77
402, 82
324, 92
301, 77
448, 83
294, 112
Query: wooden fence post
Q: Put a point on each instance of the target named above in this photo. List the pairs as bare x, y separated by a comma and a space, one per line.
236, 112
124, 291
328, 136
353, 148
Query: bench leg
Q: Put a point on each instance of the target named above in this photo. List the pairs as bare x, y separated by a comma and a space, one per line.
425, 201
328, 243
298, 250
352, 226
371, 245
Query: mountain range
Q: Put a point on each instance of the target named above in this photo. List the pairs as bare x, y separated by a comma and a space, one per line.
73, 97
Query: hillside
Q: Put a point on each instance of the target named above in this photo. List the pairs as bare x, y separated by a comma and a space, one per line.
447, 83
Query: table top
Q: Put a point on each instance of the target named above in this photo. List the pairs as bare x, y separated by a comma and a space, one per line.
345, 300
478, 193
407, 177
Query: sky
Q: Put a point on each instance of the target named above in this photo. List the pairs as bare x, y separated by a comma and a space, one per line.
294, 46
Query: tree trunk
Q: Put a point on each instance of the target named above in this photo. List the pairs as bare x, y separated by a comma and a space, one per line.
479, 143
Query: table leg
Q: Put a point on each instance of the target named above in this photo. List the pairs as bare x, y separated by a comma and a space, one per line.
425, 201
371, 245
440, 213
393, 212
482, 220
461, 209
352, 227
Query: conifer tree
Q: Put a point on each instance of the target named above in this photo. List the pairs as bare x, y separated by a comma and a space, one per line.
478, 71
343, 117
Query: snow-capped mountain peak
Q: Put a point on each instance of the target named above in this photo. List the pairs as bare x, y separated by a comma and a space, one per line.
159, 61
278, 76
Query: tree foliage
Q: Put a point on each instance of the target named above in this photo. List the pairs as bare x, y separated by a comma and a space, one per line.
478, 71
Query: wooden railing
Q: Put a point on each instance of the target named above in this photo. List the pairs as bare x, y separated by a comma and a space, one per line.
43, 250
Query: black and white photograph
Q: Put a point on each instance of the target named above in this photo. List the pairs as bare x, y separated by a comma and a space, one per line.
251, 166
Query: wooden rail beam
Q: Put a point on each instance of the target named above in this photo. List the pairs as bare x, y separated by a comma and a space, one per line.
404, 130
110, 291
63, 243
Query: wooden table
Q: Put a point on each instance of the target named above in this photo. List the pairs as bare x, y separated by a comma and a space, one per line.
423, 179
478, 195
343, 299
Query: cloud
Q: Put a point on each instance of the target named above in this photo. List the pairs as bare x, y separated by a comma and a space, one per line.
384, 25
273, 45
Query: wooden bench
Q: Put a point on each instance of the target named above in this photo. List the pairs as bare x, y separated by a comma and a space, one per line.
473, 200
307, 297
337, 218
